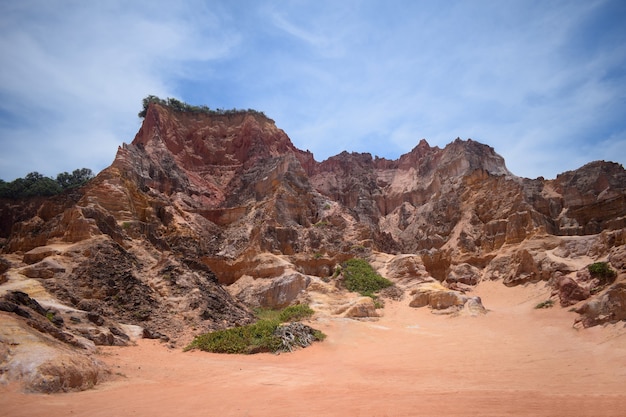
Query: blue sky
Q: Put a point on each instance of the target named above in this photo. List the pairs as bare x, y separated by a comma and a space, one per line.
543, 82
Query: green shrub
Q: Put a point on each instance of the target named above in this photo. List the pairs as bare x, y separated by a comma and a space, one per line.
183, 107
253, 338
319, 335
603, 272
287, 314
545, 304
295, 313
257, 337
267, 314
359, 276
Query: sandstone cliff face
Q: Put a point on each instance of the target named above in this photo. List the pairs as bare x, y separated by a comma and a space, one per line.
198, 202
222, 188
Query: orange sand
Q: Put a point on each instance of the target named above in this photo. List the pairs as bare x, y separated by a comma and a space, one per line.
514, 361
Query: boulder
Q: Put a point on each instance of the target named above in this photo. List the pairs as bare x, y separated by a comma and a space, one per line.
437, 297
440, 300
38, 254
4, 265
408, 267
283, 291
270, 293
42, 364
609, 307
98, 336
474, 307
464, 274
420, 299
570, 292
362, 307
525, 271
528, 264
47, 268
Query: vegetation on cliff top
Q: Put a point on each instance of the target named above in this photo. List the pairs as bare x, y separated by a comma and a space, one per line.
266, 335
35, 184
180, 106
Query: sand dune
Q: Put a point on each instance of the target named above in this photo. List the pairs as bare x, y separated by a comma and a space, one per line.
515, 361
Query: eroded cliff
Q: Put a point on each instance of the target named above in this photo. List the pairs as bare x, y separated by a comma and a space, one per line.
204, 216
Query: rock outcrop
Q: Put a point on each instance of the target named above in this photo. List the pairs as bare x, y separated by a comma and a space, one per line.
609, 307
571, 292
44, 364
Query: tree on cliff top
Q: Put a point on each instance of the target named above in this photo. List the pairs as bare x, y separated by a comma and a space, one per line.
77, 178
35, 184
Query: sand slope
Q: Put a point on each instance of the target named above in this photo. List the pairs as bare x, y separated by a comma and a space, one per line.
514, 361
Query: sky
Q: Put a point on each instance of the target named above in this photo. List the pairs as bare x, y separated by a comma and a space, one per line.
542, 82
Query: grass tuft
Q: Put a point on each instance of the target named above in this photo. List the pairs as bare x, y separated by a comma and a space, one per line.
545, 304
295, 313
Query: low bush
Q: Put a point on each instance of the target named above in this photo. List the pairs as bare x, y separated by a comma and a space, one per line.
359, 276
245, 339
295, 313
254, 338
603, 272
181, 106
545, 304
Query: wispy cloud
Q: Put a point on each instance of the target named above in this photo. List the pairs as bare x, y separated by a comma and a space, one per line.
508, 74
74, 74
544, 83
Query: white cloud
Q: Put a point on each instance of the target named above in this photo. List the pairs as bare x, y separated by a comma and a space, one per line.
360, 76
75, 75
507, 83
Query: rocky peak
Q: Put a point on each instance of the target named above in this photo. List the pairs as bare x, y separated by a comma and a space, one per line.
476, 155
230, 138
203, 155
458, 158
595, 180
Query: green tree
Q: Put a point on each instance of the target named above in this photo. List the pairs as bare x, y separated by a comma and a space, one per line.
77, 178
35, 184
146, 102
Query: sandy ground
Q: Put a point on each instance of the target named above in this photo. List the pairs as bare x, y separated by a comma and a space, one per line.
515, 361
